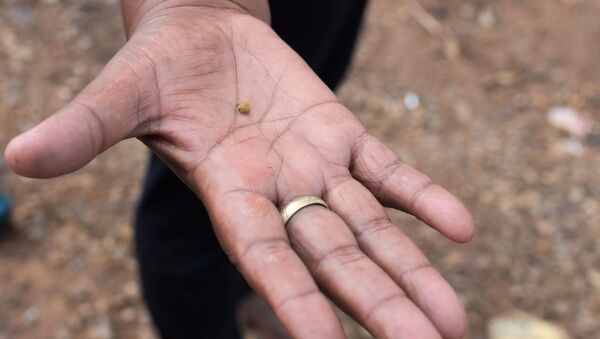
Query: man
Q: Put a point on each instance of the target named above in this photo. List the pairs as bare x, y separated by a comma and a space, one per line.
175, 85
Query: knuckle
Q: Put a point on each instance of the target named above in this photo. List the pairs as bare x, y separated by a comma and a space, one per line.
375, 225
406, 275
336, 182
272, 250
297, 297
422, 189
381, 303
95, 125
339, 256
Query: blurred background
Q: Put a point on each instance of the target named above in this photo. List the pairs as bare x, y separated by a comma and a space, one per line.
497, 100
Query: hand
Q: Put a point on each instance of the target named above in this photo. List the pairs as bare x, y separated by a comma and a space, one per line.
175, 86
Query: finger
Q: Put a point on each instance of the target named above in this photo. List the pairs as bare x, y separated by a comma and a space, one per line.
397, 185
357, 284
251, 231
392, 250
105, 112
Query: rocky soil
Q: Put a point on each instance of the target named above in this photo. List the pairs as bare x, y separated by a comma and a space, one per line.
461, 89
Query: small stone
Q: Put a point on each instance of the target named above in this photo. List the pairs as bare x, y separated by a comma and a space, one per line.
570, 121
64, 93
31, 315
74, 322
562, 307
243, 107
568, 146
131, 290
63, 333
521, 325
101, 305
506, 78
101, 330
573, 147
412, 101
545, 228
594, 278
128, 314
487, 18
467, 11
85, 311
21, 15
594, 136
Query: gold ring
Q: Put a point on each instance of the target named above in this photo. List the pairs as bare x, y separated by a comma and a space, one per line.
288, 211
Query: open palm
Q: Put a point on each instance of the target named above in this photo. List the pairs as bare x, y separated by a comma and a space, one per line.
175, 85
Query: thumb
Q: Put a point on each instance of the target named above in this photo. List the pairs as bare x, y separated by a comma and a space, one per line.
104, 113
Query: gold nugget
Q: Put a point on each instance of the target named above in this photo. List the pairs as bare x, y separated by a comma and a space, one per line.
243, 107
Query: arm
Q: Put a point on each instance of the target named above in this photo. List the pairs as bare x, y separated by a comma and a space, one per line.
175, 86
134, 10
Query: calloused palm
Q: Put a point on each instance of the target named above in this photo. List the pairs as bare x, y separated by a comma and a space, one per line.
175, 85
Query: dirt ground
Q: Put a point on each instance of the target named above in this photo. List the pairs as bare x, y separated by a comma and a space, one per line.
485, 73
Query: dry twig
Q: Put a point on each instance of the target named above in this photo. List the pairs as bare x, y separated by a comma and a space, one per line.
434, 27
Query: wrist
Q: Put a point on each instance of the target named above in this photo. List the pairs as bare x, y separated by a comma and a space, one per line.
134, 11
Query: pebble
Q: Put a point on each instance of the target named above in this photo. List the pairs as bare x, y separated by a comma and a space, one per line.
521, 325
594, 136
594, 278
131, 290
101, 330
573, 147
128, 314
467, 11
63, 333
487, 18
21, 15
571, 121
243, 107
31, 315
412, 101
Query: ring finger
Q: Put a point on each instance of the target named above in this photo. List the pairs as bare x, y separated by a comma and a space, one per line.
329, 250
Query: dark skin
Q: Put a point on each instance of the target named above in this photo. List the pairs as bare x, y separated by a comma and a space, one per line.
175, 85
